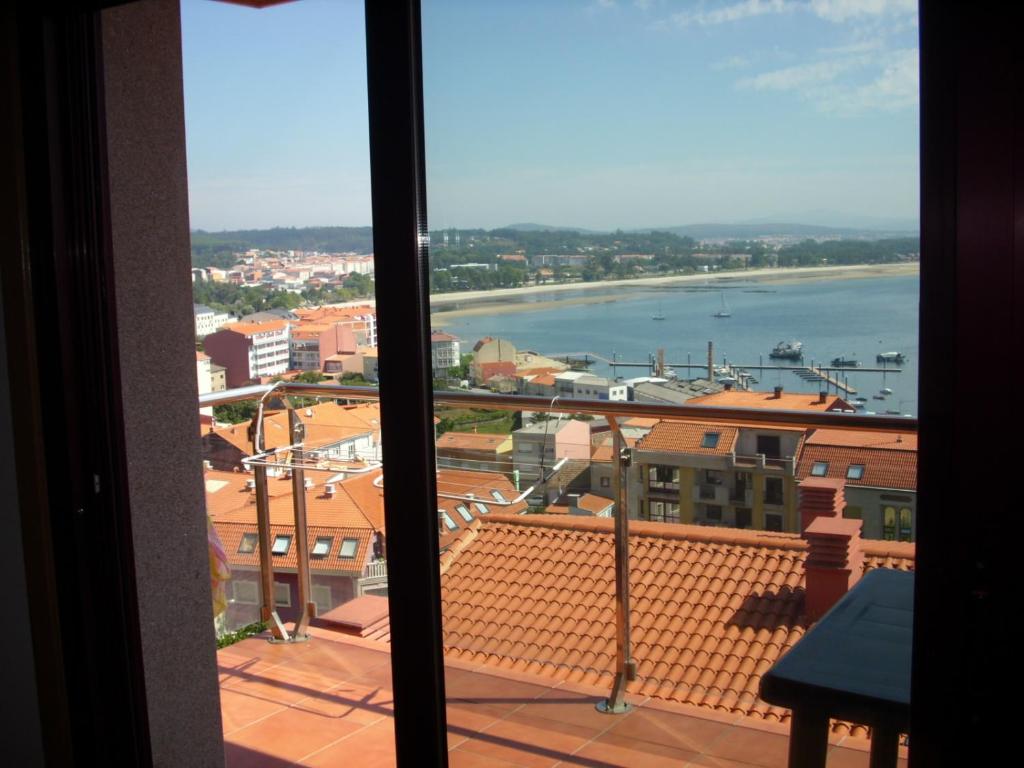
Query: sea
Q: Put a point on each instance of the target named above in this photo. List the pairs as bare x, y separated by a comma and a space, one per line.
854, 318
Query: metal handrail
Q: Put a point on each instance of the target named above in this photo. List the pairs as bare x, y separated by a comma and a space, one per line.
620, 408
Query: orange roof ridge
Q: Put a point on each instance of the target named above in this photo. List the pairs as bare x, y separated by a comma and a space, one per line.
718, 535
461, 541
884, 548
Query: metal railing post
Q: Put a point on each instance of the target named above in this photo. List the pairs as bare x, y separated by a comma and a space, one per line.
625, 666
268, 607
307, 609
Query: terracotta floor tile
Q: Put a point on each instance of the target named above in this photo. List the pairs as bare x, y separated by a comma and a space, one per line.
349, 701
528, 741
293, 734
466, 719
710, 761
237, 756
670, 730
237, 710
490, 689
371, 747
840, 757
460, 758
575, 708
751, 746
611, 750
284, 683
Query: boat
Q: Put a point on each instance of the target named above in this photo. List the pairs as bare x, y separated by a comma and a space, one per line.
788, 350
724, 311
860, 399
890, 357
885, 391
845, 362
878, 397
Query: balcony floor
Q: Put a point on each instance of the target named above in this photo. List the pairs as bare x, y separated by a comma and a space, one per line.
328, 702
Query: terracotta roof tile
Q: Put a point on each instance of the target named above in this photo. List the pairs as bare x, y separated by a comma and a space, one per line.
787, 401
687, 436
251, 329
883, 467
476, 441
711, 608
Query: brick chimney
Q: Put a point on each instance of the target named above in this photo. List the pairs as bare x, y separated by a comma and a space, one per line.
820, 497
822, 396
835, 561
777, 393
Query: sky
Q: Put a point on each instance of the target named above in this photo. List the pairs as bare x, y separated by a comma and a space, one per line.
587, 113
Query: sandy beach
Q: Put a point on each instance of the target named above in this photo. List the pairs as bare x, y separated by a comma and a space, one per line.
508, 300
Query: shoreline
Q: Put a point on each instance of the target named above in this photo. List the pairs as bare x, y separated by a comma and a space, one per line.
509, 300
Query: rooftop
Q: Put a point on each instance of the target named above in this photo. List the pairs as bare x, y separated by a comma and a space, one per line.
251, 329
323, 702
786, 401
472, 441
689, 437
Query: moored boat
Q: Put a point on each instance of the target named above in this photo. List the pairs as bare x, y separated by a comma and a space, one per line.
845, 362
890, 357
788, 350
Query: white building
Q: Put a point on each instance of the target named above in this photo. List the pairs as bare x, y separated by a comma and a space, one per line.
203, 376
444, 353
209, 320
584, 386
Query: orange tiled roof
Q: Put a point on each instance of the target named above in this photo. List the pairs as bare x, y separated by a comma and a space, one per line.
711, 608
851, 438
603, 447
687, 436
594, 504
231, 534
472, 441
325, 423
787, 401
883, 467
249, 329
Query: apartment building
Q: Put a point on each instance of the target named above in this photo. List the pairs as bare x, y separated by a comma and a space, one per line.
444, 353
740, 476
538, 448
584, 386
250, 350
492, 357
880, 473
474, 450
209, 320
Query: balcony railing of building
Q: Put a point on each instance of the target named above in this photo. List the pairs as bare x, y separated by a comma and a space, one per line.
613, 411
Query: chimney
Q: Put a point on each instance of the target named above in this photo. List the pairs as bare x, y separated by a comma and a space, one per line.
574, 504
822, 396
835, 561
308, 484
329, 489
250, 485
820, 497
777, 393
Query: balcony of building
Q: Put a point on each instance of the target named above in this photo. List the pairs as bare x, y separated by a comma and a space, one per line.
522, 687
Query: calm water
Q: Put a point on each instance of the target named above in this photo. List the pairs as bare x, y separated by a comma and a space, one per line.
857, 318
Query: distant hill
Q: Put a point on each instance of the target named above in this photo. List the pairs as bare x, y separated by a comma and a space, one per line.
761, 229
547, 228
330, 239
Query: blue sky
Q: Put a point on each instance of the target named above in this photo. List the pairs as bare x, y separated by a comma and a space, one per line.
591, 113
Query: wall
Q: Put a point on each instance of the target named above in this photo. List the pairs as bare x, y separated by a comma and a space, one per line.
151, 252
230, 350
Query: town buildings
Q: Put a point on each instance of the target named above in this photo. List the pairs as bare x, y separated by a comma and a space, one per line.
475, 450
249, 351
209, 320
538, 448
492, 357
444, 353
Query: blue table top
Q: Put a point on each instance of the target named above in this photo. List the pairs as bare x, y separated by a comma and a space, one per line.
854, 664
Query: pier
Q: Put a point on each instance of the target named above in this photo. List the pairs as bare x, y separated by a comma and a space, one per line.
830, 374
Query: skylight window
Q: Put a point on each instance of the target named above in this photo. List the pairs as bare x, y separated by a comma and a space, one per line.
710, 440
348, 548
281, 544
449, 523
464, 512
819, 468
248, 543
481, 508
855, 472
322, 547
498, 496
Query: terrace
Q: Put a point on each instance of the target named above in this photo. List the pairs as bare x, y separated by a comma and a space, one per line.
325, 694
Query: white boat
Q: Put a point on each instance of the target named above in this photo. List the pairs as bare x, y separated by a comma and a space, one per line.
885, 391
724, 311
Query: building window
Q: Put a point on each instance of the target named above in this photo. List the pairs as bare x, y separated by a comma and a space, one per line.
773, 522
606, 482
248, 543
853, 513
905, 524
464, 513
322, 546
664, 477
773, 491
713, 512
820, 469
889, 523
713, 476
744, 518
498, 496
281, 544
710, 440
322, 597
855, 472
481, 508
448, 522
664, 512
348, 549
282, 594
246, 592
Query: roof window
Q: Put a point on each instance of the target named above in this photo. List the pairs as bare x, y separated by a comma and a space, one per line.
855, 472
322, 546
248, 543
481, 508
710, 440
464, 512
282, 542
449, 523
348, 548
819, 469
498, 496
